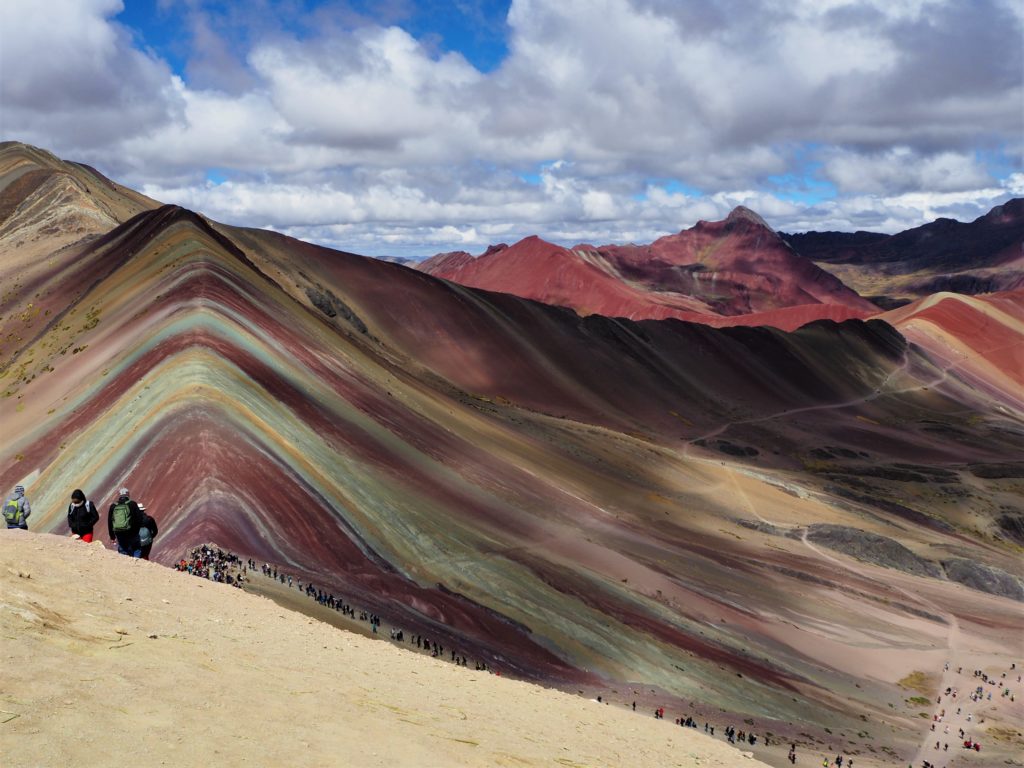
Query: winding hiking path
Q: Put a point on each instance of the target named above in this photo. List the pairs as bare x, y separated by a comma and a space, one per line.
953, 633
874, 394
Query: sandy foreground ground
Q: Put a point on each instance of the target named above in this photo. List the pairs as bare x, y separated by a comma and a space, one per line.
113, 661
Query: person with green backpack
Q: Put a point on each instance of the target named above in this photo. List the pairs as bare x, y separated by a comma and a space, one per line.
17, 509
123, 522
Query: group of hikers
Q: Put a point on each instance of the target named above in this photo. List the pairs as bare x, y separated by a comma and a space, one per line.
128, 522
951, 696
338, 604
214, 564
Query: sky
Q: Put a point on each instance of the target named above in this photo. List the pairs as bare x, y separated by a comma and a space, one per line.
413, 127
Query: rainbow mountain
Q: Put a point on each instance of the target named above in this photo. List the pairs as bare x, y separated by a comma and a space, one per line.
731, 517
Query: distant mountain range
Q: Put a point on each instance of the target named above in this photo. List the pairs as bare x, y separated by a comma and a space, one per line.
740, 272
982, 256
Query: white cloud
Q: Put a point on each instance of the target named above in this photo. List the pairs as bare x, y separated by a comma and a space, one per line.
373, 93
71, 79
894, 213
367, 133
901, 169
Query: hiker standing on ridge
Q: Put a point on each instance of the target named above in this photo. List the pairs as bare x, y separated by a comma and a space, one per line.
147, 533
17, 509
123, 522
82, 516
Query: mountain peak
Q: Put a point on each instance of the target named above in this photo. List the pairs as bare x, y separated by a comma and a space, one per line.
743, 214
1010, 212
494, 248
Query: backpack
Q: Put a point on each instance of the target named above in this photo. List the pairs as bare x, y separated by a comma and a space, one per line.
145, 536
12, 512
94, 515
122, 517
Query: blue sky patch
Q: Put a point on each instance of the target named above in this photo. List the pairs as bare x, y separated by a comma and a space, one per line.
216, 176
805, 188
477, 29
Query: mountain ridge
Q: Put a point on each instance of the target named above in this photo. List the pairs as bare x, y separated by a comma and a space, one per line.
728, 269
741, 268
982, 256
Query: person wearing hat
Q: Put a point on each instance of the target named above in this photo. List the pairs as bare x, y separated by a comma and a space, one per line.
147, 533
82, 516
123, 522
17, 509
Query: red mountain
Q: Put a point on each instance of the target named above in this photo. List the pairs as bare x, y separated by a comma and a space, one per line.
739, 266
738, 269
539, 270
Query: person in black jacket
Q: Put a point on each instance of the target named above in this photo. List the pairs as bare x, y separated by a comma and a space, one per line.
82, 516
147, 539
123, 522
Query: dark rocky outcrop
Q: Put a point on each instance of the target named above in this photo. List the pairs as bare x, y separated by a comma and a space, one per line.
763, 527
324, 300
998, 471
731, 449
870, 548
1012, 527
984, 578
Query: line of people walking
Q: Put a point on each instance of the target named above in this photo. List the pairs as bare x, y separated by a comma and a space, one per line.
129, 525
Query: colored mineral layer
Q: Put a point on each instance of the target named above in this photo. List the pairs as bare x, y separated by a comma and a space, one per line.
785, 526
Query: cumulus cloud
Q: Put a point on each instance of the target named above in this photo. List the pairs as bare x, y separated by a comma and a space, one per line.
901, 169
356, 133
71, 79
378, 94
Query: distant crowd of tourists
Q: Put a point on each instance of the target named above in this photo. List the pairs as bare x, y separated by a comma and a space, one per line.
951, 698
339, 604
214, 564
